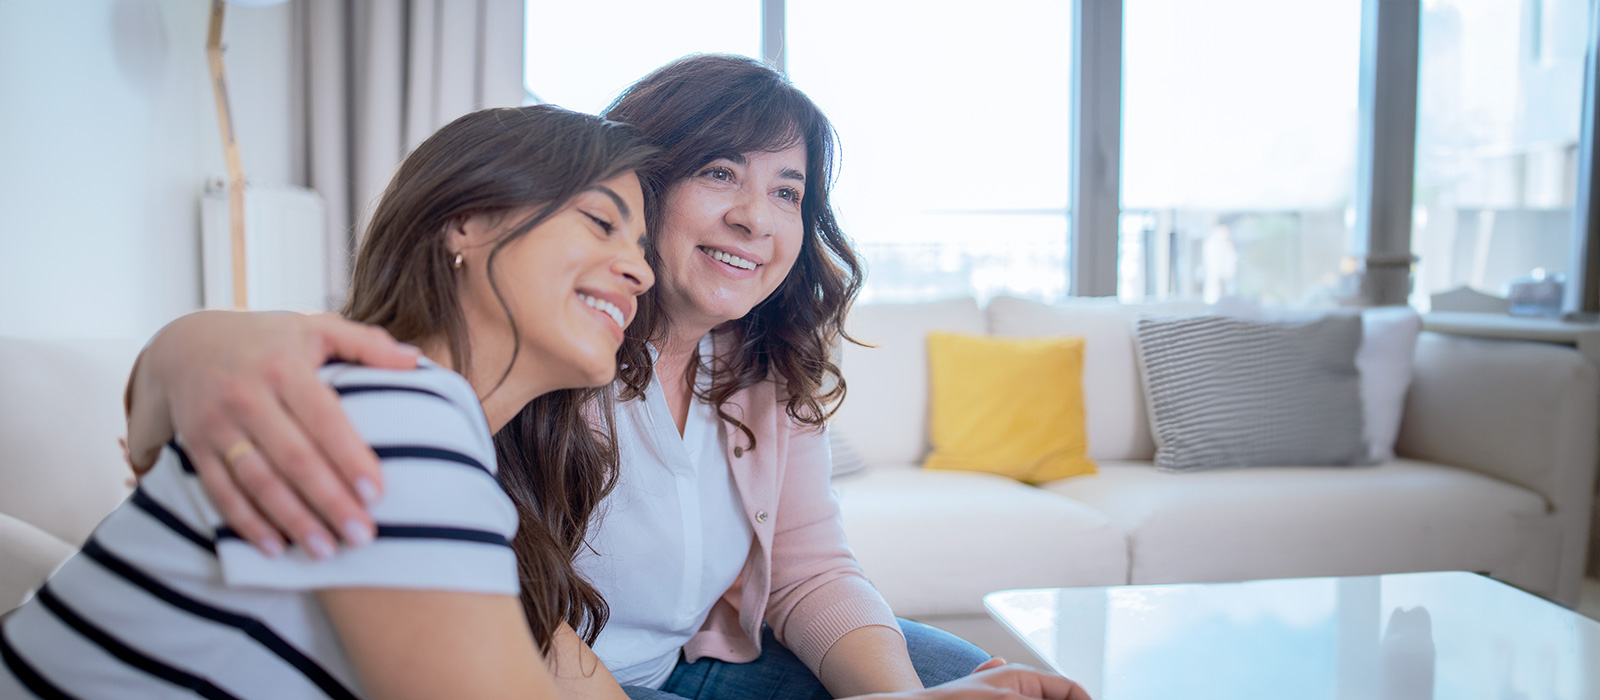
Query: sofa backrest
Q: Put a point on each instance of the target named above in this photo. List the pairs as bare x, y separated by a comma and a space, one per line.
1114, 405
885, 412
60, 416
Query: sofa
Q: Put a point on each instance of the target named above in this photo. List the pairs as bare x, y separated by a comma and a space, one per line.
1495, 473
61, 469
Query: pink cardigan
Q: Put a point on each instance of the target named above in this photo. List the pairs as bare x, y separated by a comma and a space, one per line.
801, 577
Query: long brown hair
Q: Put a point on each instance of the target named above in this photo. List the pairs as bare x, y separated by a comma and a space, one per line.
557, 458
704, 107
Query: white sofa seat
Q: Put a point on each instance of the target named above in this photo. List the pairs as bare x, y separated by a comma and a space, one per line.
934, 542
1279, 522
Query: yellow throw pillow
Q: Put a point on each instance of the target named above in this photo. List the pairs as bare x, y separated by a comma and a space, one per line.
1007, 406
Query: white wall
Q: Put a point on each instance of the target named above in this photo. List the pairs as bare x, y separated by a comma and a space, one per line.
107, 132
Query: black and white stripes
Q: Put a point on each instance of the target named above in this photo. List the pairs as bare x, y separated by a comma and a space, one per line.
164, 600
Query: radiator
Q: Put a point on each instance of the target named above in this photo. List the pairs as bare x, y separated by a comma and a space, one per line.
286, 249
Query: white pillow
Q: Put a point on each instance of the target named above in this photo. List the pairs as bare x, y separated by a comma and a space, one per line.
846, 458
1388, 343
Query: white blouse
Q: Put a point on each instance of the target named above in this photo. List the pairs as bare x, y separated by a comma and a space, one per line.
670, 540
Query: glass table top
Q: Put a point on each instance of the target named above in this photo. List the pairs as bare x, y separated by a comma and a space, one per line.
1395, 637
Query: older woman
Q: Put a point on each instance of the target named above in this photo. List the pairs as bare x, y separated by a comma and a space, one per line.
721, 553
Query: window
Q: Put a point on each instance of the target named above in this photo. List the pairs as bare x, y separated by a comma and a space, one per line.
1239, 148
1499, 103
581, 55
1239, 139
954, 134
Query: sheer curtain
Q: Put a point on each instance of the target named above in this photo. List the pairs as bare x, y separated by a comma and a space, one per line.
376, 78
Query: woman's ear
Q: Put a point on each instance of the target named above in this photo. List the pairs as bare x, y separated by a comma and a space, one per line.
456, 238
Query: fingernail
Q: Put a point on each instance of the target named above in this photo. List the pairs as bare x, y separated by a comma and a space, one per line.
356, 533
408, 347
319, 547
272, 548
367, 490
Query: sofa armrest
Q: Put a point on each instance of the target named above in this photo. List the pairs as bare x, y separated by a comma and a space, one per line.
1524, 412
60, 416
28, 555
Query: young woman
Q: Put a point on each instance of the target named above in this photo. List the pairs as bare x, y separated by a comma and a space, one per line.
721, 553
507, 249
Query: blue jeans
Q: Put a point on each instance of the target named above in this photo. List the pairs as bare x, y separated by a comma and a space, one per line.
780, 675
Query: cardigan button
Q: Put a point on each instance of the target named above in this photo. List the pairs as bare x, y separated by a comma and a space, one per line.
738, 452
761, 516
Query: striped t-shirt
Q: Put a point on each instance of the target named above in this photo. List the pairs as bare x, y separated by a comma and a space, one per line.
165, 601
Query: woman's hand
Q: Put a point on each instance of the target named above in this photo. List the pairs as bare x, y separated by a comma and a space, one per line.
268, 439
996, 680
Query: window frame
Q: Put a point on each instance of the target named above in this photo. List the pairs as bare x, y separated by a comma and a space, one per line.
1583, 287
1390, 39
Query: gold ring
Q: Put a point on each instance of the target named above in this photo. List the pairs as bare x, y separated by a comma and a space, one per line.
239, 449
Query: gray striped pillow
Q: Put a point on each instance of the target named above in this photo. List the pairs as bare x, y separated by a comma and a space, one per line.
1232, 392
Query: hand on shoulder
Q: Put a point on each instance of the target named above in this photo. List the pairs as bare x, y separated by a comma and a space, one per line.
268, 438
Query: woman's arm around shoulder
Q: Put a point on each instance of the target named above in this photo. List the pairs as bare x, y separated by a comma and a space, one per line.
229, 381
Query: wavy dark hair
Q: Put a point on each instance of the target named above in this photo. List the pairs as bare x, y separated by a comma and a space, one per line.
703, 107
557, 457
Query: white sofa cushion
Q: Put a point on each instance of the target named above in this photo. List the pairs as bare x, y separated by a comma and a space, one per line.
60, 466
1388, 345
885, 412
1113, 398
934, 542
1283, 522
28, 555
847, 459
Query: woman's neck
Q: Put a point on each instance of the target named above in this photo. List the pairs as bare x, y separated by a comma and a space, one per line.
501, 400
672, 369
675, 352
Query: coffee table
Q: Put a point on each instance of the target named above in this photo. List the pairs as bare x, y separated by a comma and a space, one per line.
1403, 636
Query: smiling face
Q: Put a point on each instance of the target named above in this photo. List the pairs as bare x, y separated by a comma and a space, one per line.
570, 283
729, 234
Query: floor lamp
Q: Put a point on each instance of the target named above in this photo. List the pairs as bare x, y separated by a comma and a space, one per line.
230, 143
